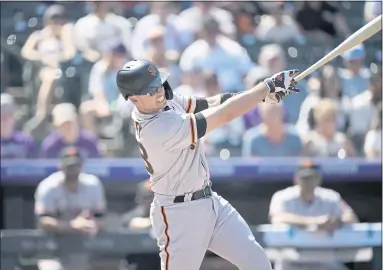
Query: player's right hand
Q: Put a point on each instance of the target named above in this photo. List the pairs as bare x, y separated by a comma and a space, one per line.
282, 82
84, 225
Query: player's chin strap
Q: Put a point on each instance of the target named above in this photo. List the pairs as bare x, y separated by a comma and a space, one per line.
168, 90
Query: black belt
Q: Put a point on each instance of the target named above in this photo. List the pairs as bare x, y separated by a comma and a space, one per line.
203, 193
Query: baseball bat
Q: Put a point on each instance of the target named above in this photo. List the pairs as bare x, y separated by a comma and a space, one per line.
358, 37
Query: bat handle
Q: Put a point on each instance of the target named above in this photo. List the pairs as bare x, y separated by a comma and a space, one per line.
304, 74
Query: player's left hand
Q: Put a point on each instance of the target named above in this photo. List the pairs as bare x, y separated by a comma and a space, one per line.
281, 85
283, 82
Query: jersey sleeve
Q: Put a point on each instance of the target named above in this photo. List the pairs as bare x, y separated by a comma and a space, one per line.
277, 204
179, 131
44, 201
187, 102
98, 197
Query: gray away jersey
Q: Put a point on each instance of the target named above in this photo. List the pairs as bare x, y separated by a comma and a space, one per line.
52, 197
169, 146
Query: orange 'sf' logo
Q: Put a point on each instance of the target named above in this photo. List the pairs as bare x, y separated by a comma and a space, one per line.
152, 70
72, 151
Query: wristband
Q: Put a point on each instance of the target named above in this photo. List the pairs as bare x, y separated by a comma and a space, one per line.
270, 85
226, 96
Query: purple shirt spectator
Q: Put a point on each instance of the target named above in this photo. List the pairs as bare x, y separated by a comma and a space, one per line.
14, 144
53, 145
68, 133
253, 118
18, 145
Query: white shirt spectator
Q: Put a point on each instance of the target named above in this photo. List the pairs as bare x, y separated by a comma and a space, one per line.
327, 202
372, 9
361, 113
190, 20
102, 79
126, 107
174, 39
228, 59
101, 35
373, 142
309, 104
269, 31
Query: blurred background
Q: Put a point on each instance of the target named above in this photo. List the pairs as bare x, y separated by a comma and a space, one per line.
59, 60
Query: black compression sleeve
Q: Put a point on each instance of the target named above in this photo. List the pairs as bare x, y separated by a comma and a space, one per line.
201, 104
226, 96
201, 124
98, 214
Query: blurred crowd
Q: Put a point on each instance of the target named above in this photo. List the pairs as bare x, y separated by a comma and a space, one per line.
72, 51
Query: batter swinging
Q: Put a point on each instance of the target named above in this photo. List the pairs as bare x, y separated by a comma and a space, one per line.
188, 218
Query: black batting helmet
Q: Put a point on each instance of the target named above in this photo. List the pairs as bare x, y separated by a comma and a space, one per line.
141, 77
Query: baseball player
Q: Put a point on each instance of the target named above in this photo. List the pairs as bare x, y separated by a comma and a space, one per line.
70, 201
188, 218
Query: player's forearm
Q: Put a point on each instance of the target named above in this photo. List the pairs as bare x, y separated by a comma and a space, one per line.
294, 220
349, 217
235, 107
243, 102
53, 224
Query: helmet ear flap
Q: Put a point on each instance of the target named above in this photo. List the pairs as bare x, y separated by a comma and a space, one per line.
168, 90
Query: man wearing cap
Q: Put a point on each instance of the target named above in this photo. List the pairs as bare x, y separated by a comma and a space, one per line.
14, 144
307, 205
161, 14
70, 201
354, 75
68, 133
101, 30
102, 88
216, 52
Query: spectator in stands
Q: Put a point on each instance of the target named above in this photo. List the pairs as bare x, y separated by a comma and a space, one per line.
372, 9
102, 88
102, 30
157, 53
354, 75
362, 110
49, 47
373, 142
68, 133
228, 136
161, 14
246, 16
321, 21
222, 55
272, 138
324, 140
278, 26
326, 85
14, 144
191, 83
70, 201
138, 219
191, 19
307, 205
272, 57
